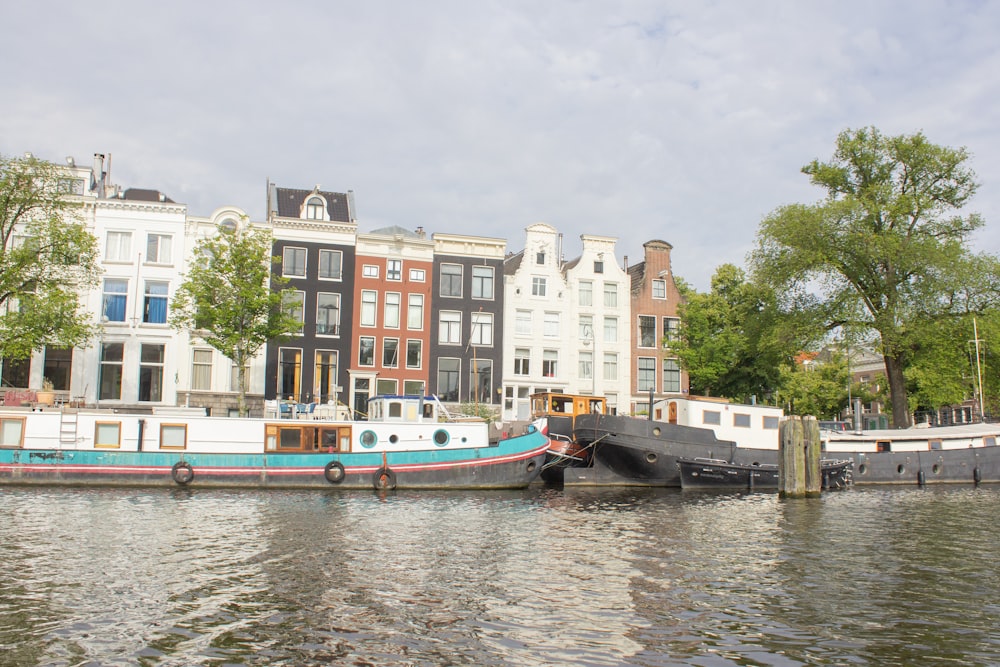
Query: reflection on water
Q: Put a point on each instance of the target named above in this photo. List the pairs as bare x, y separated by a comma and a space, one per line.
542, 576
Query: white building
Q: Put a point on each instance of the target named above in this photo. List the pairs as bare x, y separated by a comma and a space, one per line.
565, 324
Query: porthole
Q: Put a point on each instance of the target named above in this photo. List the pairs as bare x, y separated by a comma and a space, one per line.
394, 438
656, 431
863, 469
368, 439
651, 457
900, 469
441, 437
936, 468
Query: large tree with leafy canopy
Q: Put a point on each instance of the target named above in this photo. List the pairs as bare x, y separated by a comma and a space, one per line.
886, 250
48, 258
227, 300
729, 341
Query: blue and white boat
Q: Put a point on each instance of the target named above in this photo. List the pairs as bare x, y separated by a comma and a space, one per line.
408, 442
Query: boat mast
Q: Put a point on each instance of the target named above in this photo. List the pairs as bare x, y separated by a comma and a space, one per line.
979, 368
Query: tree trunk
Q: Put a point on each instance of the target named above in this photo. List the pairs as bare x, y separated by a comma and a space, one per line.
897, 392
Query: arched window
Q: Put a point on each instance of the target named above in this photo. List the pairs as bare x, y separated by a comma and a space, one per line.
228, 223
314, 208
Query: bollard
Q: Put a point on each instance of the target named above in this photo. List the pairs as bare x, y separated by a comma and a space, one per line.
799, 453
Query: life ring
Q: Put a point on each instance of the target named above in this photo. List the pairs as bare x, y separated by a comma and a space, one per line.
384, 479
182, 472
334, 472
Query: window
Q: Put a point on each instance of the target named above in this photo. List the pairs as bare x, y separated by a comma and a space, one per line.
537, 286
369, 271
369, 307
671, 329
414, 351
671, 376
331, 264
711, 417
610, 366
366, 351
522, 361
482, 282
289, 372
326, 375
481, 381
293, 303
390, 353
741, 420
70, 186
610, 295
201, 369
12, 431
119, 247
646, 378
415, 312
327, 314
58, 366
450, 327
586, 327
586, 365
112, 361
173, 436
413, 387
540, 257
586, 293
550, 363
451, 280
417, 275
108, 434
598, 266
391, 314
482, 329
447, 382
550, 328
314, 209
770, 423
158, 248
154, 308
394, 269
522, 323
659, 289
115, 298
293, 262
610, 329
16, 372
151, 372
234, 378
647, 331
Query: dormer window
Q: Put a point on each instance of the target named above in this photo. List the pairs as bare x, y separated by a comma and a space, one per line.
314, 208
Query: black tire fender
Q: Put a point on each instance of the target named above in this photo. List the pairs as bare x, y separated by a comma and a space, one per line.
334, 472
182, 473
384, 479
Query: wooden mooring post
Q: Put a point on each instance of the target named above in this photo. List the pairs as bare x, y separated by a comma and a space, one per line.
799, 451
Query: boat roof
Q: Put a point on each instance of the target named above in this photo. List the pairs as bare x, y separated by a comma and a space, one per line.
917, 433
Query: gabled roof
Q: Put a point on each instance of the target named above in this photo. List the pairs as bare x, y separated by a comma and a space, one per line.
287, 202
512, 263
636, 273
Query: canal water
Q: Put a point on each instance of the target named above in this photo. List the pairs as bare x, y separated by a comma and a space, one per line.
873, 576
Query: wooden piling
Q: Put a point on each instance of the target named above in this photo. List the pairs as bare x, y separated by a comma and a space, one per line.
799, 452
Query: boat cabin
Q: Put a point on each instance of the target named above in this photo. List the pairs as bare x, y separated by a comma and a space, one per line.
410, 409
561, 410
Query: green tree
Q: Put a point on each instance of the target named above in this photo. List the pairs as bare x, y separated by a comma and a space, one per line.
226, 298
729, 341
886, 250
47, 259
817, 389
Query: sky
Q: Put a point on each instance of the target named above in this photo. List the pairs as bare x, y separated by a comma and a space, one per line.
686, 122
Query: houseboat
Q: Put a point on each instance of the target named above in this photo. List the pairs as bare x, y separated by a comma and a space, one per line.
408, 442
560, 412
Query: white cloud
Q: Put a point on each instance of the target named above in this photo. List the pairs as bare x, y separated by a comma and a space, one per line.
686, 122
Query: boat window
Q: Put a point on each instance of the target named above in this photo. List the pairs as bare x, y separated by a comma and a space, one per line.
12, 432
173, 436
395, 409
741, 420
108, 434
770, 423
883, 446
989, 441
289, 438
934, 444
329, 439
711, 417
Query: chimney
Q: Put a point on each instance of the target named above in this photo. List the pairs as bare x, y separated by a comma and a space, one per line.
98, 175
